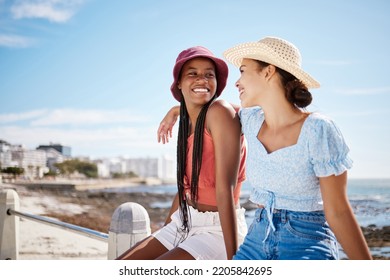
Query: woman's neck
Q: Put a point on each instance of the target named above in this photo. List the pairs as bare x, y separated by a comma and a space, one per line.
280, 115
193, 114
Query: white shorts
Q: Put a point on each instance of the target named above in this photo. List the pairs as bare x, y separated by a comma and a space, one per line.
205, 238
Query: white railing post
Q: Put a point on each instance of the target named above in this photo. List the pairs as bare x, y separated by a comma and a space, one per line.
130, 223
9, 225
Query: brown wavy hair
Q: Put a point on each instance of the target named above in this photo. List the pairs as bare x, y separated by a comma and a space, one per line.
296, 91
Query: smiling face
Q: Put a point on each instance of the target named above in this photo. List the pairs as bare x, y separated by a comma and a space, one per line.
198, 81
251, 83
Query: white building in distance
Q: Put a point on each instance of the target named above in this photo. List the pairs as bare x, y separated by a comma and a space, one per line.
148, 167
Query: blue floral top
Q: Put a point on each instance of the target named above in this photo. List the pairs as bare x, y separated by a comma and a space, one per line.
288, 178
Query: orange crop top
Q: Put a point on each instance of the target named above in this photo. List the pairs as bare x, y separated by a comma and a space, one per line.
206, 184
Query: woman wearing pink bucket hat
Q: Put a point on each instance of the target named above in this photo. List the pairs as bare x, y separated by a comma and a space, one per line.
205, 220
297, 161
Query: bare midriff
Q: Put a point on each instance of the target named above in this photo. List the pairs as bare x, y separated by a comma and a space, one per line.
204, 207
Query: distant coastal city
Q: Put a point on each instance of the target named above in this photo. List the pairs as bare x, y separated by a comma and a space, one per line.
56, 160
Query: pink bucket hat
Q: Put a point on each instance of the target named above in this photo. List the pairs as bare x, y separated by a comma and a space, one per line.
188, 54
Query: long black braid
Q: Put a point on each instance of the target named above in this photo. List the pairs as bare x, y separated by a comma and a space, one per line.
196, 158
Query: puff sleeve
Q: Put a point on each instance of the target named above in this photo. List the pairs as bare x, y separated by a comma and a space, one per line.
328, 150
250, 119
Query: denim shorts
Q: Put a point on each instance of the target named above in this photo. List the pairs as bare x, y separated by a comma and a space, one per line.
297, 236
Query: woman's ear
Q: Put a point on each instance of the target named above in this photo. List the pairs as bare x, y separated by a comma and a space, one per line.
270, 70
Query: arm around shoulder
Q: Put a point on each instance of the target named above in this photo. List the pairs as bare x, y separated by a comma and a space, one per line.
164, 131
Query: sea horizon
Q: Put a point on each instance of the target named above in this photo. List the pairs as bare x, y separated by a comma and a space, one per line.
369, 197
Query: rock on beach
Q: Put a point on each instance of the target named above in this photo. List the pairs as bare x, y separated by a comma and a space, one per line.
93, 210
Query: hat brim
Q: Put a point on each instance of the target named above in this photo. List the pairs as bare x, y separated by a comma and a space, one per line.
222, 72
259, 51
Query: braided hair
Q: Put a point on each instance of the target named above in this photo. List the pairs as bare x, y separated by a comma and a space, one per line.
196, 158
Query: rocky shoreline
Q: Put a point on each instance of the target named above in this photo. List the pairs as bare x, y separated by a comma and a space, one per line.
94, 209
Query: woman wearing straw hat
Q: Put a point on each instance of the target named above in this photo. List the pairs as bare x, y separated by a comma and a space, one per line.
297, 161
205, 220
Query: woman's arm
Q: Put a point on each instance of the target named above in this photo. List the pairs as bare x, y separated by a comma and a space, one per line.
164, 131
236, 107
224, 126
174, 207
341, 218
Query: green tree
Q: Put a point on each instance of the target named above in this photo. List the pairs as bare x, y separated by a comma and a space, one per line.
130, 174
13, 170
68, 167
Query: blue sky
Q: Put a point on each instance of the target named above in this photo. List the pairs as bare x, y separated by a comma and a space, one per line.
95, 75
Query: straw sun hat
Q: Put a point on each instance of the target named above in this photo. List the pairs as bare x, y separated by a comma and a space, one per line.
275, 51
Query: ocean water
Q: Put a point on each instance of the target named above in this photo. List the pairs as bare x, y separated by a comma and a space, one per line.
370, 199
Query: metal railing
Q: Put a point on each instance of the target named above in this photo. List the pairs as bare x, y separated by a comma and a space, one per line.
130, 223
78, 229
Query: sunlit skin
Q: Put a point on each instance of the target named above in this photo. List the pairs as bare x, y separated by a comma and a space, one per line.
251, 83
262, 87
281, 128
198, 85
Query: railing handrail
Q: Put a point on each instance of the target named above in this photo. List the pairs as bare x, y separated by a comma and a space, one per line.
130, 224
78, 229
